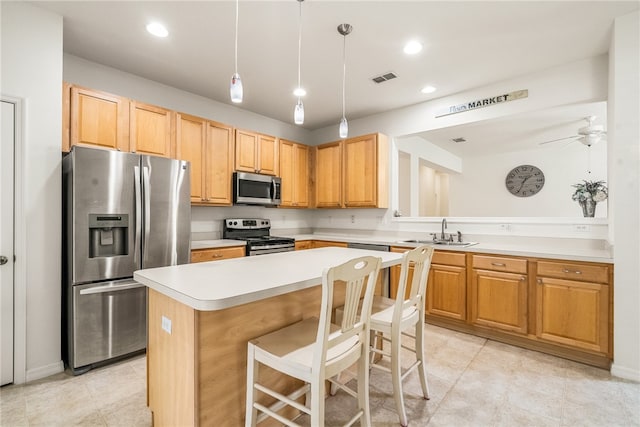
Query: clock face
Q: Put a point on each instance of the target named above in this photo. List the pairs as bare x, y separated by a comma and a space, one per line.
524, 180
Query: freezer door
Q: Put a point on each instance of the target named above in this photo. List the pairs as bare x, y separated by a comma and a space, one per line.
167, 212
109, 320
101, 225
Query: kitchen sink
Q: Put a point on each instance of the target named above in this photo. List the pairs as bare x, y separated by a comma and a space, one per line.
440, 242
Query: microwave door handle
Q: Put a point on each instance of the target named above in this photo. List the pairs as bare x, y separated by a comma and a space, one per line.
136, 248
273, 189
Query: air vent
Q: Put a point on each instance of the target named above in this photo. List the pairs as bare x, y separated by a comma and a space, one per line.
460, 139
384, 77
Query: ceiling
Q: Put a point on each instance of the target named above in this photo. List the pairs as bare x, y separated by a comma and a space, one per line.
466, 44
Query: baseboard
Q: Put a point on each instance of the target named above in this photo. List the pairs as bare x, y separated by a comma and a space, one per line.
44, 371
626, 373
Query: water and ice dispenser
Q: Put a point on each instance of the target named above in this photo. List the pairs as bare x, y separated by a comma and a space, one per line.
108, 235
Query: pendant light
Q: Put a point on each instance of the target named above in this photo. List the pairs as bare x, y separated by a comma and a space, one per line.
235, 89
298, 111
344, 29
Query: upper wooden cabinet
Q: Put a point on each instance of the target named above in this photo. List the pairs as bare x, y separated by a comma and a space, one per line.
366, 172
353, 173
256, 153
151, 129
329, 175
294, 172
95, 118
209, 147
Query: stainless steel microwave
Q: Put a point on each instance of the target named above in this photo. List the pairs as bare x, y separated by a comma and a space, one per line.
256, 189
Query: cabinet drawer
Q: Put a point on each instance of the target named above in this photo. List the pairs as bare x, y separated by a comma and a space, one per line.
448, 258
304, 244
202, 255
513, 265
574, 271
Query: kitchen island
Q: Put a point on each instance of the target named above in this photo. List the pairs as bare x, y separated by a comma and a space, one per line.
200, 317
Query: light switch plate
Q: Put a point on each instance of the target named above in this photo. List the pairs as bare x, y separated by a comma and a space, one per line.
166, 324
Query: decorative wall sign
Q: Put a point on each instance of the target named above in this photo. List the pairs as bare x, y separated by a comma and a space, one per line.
485, 102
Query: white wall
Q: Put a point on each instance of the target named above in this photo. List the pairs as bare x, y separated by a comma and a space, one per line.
480, 190
624, 128
32, 70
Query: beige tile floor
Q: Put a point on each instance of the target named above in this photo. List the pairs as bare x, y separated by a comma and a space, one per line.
473, 382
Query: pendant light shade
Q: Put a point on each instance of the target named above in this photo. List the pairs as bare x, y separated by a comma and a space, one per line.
235, 89
344, 30
298, 111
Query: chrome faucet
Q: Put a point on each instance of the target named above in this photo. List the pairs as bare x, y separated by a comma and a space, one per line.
444, 225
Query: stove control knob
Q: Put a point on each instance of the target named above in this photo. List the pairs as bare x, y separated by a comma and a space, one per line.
235, 222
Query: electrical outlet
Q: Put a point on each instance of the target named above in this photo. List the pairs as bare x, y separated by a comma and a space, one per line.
581, 227
504, 227
166, 324
353, 219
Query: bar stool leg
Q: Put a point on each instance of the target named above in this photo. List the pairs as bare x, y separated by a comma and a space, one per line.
396, 377
251, 413
422, 368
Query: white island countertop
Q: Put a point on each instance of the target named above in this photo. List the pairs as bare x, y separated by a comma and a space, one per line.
217, 285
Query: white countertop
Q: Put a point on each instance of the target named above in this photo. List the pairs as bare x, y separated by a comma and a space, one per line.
220, 243
217, 285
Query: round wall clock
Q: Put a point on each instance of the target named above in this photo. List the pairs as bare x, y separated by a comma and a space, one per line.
524, 180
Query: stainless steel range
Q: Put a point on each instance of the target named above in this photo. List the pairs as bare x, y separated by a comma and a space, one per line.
256, 234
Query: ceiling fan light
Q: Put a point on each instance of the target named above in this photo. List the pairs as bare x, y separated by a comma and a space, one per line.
298, 113
235, 89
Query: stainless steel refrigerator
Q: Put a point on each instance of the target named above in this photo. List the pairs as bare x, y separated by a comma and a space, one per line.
121, 212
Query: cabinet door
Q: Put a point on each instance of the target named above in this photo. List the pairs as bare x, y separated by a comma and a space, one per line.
245, 156
99, 119
573, 313
499, 300
267, 154
327, 244
360, 182
287, 173
329, 175
304, 244
447, 292
151, 129
190, 146
301, 175
219, 164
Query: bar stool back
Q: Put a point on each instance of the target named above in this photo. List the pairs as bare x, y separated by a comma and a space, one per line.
314, 350
391, 319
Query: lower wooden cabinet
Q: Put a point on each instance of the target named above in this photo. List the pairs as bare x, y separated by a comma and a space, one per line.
304, 244
499, 300
216, 254
572, 307
327, 244
447, 291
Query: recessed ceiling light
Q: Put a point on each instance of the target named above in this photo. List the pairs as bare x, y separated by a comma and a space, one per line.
157, 29
412, 47
428, 89
299, 92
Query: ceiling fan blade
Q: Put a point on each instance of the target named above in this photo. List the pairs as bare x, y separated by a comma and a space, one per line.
560, 139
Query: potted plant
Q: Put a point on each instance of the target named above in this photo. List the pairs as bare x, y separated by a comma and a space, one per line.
588, 194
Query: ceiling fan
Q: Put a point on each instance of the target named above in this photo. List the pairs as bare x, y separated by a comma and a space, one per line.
588, 135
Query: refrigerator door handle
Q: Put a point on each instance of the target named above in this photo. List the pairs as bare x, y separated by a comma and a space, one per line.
111, 288
136, 171
147, 204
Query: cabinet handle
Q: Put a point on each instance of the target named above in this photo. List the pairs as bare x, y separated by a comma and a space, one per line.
498, 264
522, 279
570, 271
217, 256
539, 281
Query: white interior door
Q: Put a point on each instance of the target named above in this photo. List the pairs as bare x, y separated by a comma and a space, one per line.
7, 139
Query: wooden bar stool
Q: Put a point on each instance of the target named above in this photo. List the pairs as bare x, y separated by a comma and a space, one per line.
315, 350
392, 319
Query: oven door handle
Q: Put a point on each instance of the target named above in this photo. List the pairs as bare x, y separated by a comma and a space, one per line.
274, 246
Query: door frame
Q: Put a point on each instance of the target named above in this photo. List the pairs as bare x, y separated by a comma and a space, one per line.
19, 244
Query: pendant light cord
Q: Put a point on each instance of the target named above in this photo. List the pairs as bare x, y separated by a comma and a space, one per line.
236, 49
299, 39
344, 70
